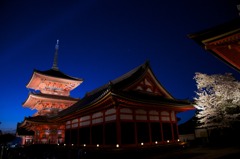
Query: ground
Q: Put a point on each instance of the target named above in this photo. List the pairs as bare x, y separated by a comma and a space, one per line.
187, 152
201, 153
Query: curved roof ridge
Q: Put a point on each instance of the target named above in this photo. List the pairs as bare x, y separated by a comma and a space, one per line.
131, 72
119, 79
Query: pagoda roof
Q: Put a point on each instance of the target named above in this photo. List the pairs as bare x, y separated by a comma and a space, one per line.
53, 75
35, 120
38, 118
23, 131
49, 96
117, 88
57, 74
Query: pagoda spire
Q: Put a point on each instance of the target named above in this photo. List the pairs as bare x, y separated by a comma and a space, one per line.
55, 67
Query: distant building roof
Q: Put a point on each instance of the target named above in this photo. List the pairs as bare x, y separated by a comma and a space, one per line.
222, 41
224, 29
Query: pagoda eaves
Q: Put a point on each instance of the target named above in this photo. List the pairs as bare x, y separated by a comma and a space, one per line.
53, 82
48, 104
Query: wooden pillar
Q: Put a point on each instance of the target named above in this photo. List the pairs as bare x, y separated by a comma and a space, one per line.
149, 128
161, 131
36, 136
172, 130
177, 130
171, 121
70, 134
118, 126
104, 132
90, 129
78, 136
135, 127
176, 124
161, 127
63, 134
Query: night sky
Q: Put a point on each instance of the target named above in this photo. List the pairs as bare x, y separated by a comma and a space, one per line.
103, 39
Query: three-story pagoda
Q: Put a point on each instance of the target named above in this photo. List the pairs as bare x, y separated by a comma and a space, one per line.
49, 94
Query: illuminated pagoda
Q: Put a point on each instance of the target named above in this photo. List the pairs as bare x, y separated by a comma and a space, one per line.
223, 41
132, 110
50, 94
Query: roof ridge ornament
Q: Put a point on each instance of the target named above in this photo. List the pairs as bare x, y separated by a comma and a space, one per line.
55, 67
110, 85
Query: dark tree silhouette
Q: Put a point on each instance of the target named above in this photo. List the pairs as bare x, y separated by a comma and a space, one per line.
5, 138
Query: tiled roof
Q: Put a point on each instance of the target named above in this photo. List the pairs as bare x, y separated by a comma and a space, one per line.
117, 83
225, 35
84, 102
23, 131
34, 119
150, 98
133, 95
115, 88
125, 79
50, 97
44, 119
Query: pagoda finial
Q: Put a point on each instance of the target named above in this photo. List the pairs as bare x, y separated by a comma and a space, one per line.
55, 67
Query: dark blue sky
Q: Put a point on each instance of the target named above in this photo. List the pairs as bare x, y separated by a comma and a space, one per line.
101, 40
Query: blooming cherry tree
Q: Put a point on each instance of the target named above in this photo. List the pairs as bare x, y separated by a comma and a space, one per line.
217, 100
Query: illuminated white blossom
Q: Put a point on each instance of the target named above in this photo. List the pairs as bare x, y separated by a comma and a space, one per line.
217, 99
